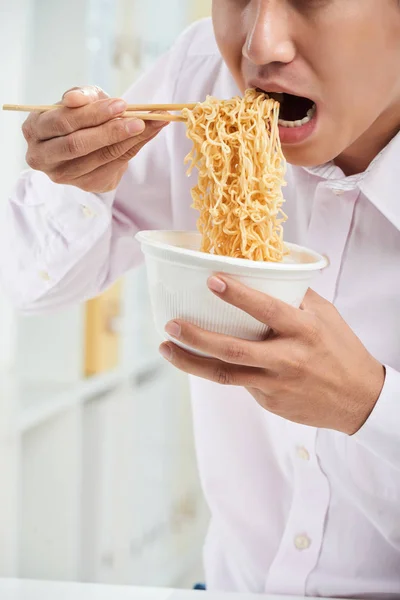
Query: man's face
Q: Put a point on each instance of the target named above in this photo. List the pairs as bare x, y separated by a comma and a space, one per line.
343, 56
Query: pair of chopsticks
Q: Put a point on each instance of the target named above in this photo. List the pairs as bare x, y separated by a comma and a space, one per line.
133, 110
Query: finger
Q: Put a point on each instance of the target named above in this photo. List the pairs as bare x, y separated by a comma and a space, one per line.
64, 121
120, 152
73, 98
103, 179
85, 141
80, 96
210, 368
154, 129
226, 348
275, 313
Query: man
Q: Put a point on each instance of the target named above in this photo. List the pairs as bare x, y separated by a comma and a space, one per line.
300, 454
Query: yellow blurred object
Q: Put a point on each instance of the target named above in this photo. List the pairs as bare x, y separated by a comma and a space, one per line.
201, 9
102, 335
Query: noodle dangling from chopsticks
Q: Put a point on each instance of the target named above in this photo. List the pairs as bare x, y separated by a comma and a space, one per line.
237, 151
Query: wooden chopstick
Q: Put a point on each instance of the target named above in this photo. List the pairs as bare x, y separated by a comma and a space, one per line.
153, 116
130, 107
171, 107
133, 110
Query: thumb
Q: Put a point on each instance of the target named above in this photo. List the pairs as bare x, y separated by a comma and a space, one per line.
81, 96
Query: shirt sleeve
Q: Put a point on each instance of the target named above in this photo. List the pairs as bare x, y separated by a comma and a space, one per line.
381, 432
59, 244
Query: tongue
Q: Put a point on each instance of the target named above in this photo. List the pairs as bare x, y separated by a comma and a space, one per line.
294, 108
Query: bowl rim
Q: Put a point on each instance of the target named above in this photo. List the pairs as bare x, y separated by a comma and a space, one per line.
145, 237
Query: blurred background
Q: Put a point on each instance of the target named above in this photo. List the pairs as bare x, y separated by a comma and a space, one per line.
98, 473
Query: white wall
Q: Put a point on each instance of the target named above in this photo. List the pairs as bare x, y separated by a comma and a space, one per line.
14, 49
14, 23
58, 58
47, 46
158, 24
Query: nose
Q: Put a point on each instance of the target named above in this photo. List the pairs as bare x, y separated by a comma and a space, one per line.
268, 39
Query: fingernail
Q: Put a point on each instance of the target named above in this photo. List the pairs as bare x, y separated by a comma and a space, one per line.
216, 285
117, 107
165, 351
134, 126
70, 92
173, 329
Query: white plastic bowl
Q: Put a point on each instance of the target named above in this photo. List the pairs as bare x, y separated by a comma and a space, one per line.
178, 273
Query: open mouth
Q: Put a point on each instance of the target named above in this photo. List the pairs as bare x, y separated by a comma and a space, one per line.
295, 111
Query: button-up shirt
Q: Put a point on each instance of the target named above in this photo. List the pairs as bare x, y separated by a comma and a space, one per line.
295, 509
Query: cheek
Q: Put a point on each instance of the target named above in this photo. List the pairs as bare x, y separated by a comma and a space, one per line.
352, 73
359, 90
228, 28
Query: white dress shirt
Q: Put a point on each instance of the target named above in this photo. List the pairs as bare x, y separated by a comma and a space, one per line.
295, 510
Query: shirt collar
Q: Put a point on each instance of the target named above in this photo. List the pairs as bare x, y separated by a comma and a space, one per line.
379, 183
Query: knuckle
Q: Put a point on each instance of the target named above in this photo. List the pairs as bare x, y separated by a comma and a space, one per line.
109, 153
28, 130
61, 124
73, 146
94, 91
234, 352
142, 138
241, 296
297, 365
267, 310
33, 160
223, 375
117, 131
313, 330
99, 90
132, 152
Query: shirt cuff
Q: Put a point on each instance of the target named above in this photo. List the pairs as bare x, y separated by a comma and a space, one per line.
48, 230
381, 432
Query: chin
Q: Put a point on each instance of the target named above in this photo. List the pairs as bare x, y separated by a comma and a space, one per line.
312, 153
304, 158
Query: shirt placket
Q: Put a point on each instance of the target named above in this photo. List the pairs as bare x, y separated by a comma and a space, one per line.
328, 233
301, 543
300, 547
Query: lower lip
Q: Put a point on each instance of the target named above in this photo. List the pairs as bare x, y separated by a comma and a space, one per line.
296, 135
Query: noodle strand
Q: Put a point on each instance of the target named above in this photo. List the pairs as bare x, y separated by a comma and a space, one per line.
237, 151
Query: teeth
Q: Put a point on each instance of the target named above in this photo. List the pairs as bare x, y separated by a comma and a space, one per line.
310, 113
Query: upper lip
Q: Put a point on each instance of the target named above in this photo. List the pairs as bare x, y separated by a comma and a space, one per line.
271, 86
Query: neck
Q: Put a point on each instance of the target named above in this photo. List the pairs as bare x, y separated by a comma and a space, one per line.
359, 155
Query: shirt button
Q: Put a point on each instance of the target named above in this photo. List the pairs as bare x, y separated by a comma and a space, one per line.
302, 542
87, 211
303, 453
338, 192
44, 275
